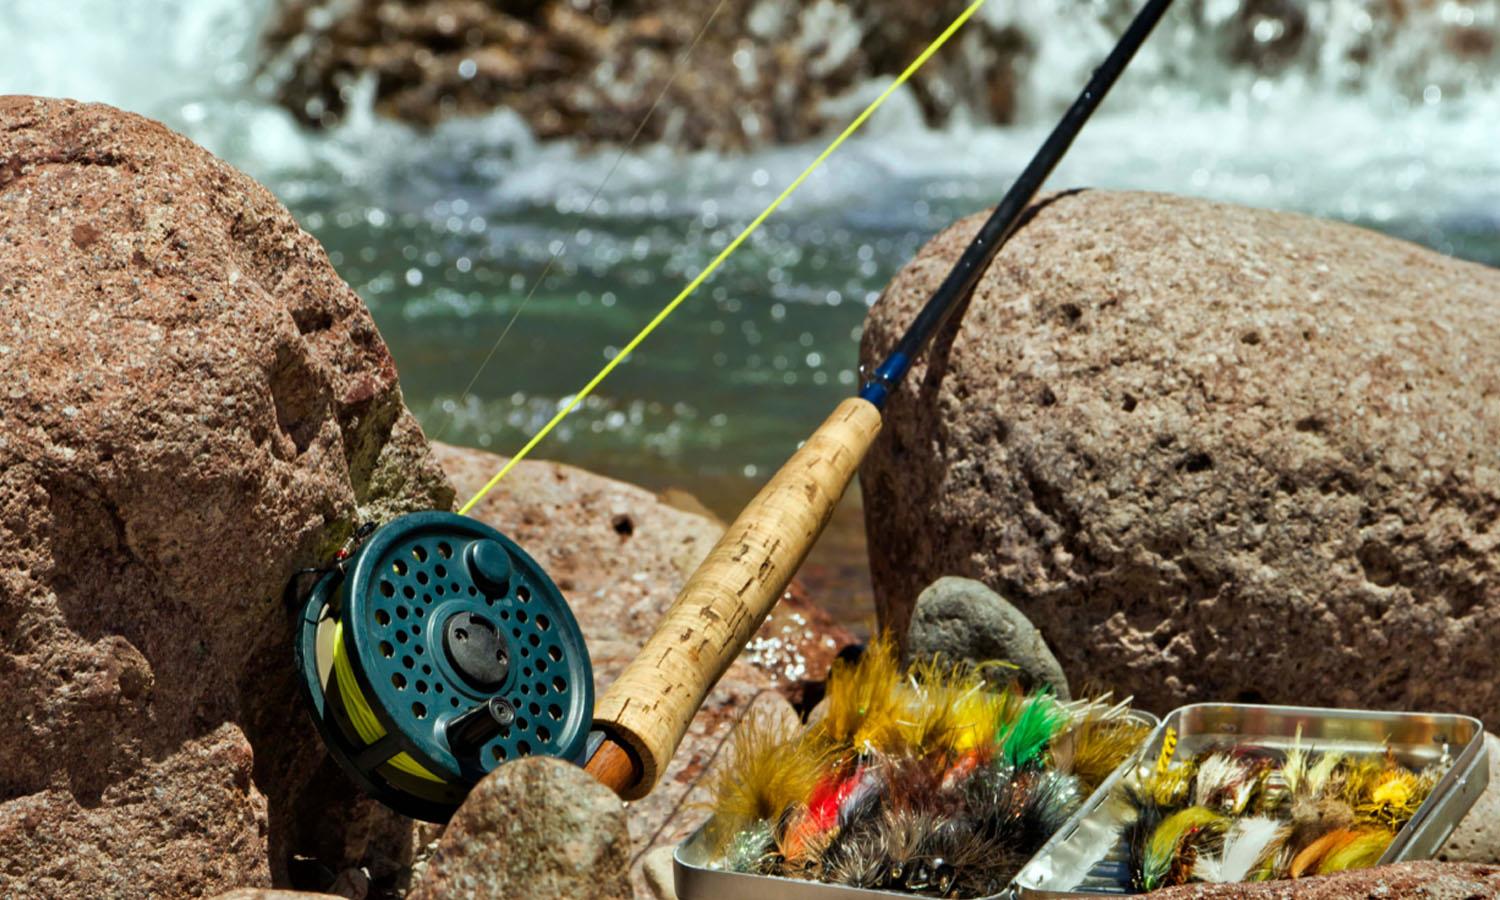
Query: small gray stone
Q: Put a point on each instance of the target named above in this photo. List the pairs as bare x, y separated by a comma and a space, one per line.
537, 827
963, 619
1477, 837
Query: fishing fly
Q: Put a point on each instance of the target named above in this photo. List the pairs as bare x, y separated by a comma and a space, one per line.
1243, 813
934, 780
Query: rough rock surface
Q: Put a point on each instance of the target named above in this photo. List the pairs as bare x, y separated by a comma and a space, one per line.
537, 827
1477, 837
620, 555
593, 68
1211, 452
1427, 880
960, 618
192, 407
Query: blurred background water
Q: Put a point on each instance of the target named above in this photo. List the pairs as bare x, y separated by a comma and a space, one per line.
444, 231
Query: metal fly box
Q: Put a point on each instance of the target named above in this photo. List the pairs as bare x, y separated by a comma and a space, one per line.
1087, 857
695, 879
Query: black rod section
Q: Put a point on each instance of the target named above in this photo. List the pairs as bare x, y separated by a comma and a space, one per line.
996, 230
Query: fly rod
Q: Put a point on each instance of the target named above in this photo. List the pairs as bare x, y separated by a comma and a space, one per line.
433, 648
644, 714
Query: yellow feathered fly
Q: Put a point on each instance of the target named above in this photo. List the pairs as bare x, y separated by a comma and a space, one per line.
767, 770
862, 700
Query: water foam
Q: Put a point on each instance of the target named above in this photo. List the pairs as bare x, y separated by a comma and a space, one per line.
1360, 118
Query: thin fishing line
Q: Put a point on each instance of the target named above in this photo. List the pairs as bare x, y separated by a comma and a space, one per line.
599, 189
724, 254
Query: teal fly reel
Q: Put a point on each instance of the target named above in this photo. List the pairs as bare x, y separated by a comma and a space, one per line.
437, 650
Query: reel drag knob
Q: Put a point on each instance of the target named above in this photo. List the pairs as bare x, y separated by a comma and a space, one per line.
472, 730
440, 651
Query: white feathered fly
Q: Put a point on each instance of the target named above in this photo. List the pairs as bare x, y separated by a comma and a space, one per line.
1248, 842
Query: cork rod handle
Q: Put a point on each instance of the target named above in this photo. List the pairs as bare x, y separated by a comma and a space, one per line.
646, 711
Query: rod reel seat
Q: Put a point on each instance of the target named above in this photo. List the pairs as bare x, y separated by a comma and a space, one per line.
437, 651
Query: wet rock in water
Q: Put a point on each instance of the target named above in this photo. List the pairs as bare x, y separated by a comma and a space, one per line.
1477, 836
1429, 880
769, 71
619, 581
960, 618
764, 71
193, 406
536, 827
1211, 452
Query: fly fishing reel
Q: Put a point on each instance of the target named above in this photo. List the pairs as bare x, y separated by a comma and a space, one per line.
437, 650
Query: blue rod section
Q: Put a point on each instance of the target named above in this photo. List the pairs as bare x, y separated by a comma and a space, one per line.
997, 229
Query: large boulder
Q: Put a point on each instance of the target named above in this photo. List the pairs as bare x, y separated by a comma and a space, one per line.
192, 407
1212, 452
620, 554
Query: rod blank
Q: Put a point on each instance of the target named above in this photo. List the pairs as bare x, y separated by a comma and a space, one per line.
1001, 224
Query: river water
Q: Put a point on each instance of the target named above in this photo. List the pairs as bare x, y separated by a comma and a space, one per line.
443, 233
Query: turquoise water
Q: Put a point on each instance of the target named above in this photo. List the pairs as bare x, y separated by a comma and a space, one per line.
718, 396
716, 399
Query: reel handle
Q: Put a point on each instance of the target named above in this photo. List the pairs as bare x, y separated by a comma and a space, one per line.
646, 711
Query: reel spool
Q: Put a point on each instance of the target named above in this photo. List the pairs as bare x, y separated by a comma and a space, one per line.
437, 651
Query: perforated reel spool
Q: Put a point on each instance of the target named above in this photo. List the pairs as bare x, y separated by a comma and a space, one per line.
442, 651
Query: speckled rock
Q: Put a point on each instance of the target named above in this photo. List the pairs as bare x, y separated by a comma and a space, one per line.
535, 827
960, 618
1211, 452
1477, 837
192, 407
202, 796
1427, 880
620, 555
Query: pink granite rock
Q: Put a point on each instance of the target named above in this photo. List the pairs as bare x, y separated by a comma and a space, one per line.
1211, 452
192, 406
535, 827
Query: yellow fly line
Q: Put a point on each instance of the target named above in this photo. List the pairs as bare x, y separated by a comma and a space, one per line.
724, 254
360, 715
